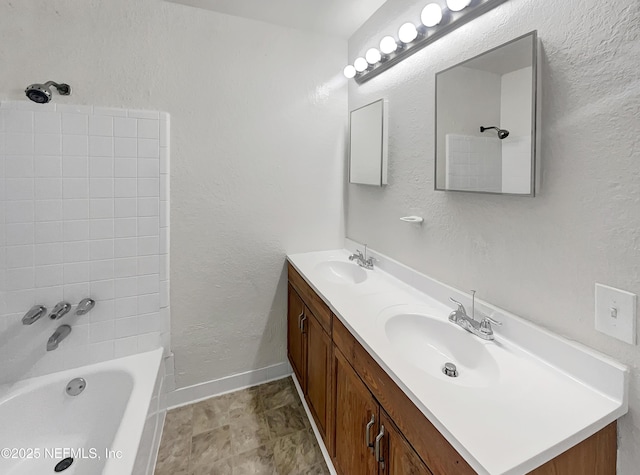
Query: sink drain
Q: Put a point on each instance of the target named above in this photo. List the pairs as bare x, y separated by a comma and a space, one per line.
63, 465
450, 370
76, 386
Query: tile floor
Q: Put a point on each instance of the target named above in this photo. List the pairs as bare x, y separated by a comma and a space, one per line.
259, 431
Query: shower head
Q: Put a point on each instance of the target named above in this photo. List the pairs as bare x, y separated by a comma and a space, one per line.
502, 133
41, 93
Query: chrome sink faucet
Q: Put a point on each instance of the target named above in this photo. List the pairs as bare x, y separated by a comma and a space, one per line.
361, 259
480, 328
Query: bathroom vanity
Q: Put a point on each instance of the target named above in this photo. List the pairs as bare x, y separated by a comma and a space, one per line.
380, 409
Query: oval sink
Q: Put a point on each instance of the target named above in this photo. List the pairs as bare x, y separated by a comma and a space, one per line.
428, 343
340, 272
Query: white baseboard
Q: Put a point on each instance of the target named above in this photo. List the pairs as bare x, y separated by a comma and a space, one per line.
199, 392
323, 449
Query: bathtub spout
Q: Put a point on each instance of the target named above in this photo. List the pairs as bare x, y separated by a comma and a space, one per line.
60, 334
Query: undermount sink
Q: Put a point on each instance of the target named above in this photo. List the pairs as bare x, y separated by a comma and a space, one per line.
340, 272
428, 343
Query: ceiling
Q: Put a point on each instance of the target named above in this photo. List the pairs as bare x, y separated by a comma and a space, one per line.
339, 18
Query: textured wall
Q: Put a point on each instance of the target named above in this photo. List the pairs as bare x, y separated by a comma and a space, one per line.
257, 138
540, 257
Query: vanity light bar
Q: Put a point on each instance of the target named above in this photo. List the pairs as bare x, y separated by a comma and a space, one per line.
437, 21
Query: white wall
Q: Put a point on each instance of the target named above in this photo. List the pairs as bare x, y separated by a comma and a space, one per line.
537, 257
80, 216
515, 116
258, 114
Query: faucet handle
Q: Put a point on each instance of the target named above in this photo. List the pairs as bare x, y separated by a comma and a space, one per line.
488, 319
460, 306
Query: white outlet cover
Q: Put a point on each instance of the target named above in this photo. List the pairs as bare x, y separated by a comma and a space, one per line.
623, 325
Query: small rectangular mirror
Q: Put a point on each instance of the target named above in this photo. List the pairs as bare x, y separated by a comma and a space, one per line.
486, 121
368, 144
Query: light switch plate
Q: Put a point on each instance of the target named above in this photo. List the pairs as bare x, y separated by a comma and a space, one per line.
616, 313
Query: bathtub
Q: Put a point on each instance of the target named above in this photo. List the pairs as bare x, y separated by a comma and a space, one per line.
100, 428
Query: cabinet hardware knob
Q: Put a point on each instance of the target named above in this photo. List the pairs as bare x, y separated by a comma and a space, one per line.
379, 437
368, 431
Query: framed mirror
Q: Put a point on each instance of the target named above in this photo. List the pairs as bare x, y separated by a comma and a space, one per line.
368, 144
486, 121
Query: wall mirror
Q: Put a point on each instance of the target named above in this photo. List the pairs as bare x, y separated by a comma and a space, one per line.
368, 144
486, 121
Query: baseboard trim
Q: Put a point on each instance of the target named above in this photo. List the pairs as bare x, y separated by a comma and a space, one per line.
201, 391
323, 449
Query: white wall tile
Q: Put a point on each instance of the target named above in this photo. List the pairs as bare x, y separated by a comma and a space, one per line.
101, 125
101, 147
125, 147
126, 227
48, 123
48, 144
75, 167
48, 166
125, 127
50, 253
20, 166
75, 145
148, 129
48, 210
48, 188
76, 124
125, 267
80, 212
75, 209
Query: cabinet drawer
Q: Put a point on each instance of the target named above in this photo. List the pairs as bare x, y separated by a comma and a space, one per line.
311, 299
430, 445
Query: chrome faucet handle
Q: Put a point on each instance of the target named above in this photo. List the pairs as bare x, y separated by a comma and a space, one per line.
460, 306
34, 314
488, 319
61, 309
85, 306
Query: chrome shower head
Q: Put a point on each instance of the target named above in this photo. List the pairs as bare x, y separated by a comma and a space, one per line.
41, 93
502, 133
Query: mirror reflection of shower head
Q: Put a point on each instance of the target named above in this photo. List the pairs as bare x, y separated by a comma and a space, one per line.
41, 93
502, 133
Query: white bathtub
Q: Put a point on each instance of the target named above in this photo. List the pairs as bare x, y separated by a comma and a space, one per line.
40, 424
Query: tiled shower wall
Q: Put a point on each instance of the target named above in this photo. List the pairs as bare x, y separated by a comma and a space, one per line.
84, 213
473, 163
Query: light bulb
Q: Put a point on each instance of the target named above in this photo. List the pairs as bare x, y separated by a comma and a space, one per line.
388, 45
349, 71
360, 64
372, 56
457, 5
407, 33
431, 15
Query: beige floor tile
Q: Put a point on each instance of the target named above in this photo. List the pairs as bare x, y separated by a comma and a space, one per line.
297, 453
210, 447
285, 420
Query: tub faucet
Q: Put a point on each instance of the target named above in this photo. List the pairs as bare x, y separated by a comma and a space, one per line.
362, 260
34, 314
60, 334
61, 309
481, 328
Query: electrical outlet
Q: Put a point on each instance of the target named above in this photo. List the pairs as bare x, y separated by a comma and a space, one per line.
616, 313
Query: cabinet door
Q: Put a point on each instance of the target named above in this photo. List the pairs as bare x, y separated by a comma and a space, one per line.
356, 420
397, 457
318, 374
296, 338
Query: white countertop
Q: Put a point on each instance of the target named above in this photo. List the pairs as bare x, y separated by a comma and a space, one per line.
547, 395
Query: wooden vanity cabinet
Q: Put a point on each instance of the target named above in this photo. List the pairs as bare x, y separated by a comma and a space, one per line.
296, 338
310, 348
366, 440
352, 398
